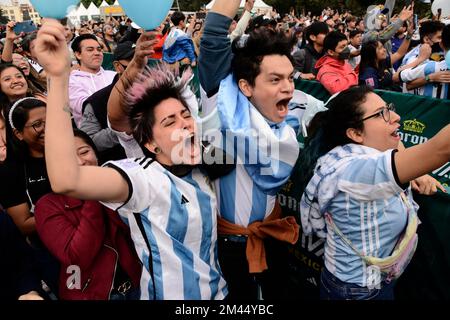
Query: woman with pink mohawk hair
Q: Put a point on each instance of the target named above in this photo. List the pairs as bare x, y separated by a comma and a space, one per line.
165, 198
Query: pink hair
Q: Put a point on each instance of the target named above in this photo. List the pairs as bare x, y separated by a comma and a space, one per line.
153, 78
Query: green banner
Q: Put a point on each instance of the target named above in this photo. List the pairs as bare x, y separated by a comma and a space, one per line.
108, 61
427, 276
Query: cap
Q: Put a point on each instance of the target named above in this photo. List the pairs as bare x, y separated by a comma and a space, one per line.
124, 51
261, 21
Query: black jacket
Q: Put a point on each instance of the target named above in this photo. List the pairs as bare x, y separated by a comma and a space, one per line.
305, 59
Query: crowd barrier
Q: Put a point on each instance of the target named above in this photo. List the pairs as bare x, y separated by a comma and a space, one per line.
427, 276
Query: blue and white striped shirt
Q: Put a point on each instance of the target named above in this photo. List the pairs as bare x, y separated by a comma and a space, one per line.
248, 194
179, 218
433, 89
365, 204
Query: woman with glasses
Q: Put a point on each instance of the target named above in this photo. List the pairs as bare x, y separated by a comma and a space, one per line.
13, 86
24, 177
357, 195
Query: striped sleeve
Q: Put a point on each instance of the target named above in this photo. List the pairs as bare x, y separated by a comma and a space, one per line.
369, 178
411, 74
133, 171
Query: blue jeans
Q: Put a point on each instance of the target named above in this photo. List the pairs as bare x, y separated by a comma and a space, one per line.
331, 288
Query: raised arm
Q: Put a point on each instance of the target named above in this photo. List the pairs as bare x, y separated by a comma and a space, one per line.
441, 76
226, 8
7, 53
117, 108
424, 54
435, 153
388, 32
215, 46
244, 21
66, 176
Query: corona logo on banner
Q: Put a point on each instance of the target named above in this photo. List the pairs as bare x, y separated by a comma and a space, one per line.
414, 126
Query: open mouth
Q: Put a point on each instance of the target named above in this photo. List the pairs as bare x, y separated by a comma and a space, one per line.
395, 134
282, 106
191, 144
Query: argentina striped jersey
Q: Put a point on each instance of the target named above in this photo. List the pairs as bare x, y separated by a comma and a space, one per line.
248, 194
369, 211
432, 89
177, 218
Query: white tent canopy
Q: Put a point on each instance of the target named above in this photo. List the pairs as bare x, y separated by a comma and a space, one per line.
82, 11
259, 4
104, 4
74, 17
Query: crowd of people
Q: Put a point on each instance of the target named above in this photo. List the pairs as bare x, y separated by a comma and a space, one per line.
127, 184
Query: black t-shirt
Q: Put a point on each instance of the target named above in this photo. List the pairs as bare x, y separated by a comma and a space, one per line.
23, 181
18, 270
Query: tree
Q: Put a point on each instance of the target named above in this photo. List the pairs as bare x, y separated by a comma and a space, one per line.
3, 19
192, 5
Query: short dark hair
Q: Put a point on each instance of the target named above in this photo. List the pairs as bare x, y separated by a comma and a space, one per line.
354, 33
76, 44
351, 19
315, 29
177, 17
446, 37
428, 28
332, 40
249, 52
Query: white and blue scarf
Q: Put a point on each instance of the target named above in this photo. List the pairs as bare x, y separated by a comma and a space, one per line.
242, 122
322, 188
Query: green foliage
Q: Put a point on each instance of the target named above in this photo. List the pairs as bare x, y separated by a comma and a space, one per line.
191, 5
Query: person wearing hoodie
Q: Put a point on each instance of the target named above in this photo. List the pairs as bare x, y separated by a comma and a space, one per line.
179, 48
335, 73
90, 77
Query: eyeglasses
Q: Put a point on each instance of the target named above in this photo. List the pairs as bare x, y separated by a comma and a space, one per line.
385, 113
37, 126
123, 66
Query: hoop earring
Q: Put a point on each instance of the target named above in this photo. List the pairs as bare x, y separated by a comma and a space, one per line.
157, 150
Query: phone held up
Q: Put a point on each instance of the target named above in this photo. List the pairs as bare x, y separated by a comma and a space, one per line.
25, 27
